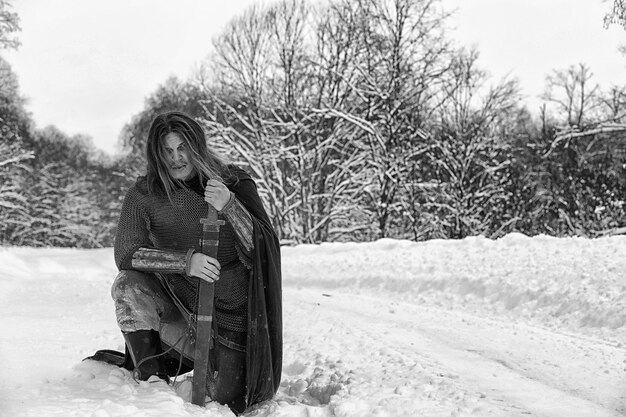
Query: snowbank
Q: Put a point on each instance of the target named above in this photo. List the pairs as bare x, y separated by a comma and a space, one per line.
574, 283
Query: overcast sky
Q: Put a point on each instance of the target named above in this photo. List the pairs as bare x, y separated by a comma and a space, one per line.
86, 66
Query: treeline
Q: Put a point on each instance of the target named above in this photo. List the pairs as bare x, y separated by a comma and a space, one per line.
55, 190
359, 119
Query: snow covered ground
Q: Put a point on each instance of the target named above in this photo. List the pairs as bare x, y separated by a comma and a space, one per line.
514, 327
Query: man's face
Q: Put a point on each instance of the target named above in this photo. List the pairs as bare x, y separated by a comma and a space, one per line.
177, 154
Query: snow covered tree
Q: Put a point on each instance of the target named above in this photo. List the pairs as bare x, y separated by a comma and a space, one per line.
328, 106
59, 210
585, 157
617, 15
586, 170
59, 191
360, 121
61, 194
278, 109
9, 24
55, 190
13, 166
324, 161
237, 112
15, 158
469, 154
14, 120
402, 58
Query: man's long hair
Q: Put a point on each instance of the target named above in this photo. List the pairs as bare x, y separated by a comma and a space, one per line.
207, 164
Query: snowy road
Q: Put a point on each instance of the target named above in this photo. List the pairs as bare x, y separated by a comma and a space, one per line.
362, 337
440, 363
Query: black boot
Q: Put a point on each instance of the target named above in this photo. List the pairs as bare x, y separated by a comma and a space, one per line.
145, 349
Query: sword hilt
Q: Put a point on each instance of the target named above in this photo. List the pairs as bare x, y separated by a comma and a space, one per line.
210, 236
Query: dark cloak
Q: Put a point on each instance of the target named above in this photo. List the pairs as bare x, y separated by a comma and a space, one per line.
264, 350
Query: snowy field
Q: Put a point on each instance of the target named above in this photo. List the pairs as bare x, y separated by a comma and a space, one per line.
513, 327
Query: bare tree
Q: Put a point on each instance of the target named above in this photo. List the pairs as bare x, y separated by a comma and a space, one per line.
614, 104
575, 97
289, 24
240, 61
337, 46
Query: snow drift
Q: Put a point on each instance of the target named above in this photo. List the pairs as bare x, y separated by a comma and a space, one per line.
513, 327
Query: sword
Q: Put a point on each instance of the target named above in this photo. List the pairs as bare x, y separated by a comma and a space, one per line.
206, 291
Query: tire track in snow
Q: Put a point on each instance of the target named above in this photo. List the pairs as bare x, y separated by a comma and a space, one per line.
413, 353
373, 374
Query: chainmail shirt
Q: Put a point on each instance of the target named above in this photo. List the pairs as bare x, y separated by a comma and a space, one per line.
152, 221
